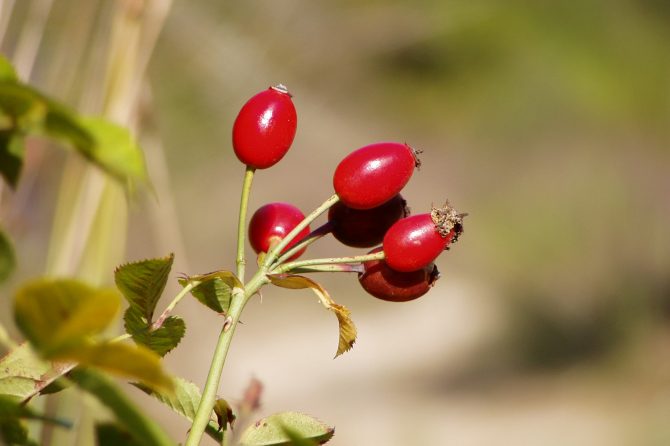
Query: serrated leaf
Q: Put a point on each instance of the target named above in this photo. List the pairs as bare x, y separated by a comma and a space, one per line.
11, 156
142, 283
214, 289
59, 315
130, 361
115, 150
7, 257
346, 325
143, 429
214, 294
184, 401
23, 373
271, 431
161, 340
7, 72
111, 434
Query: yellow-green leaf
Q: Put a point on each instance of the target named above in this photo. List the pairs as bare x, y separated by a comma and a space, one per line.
130, 361
57, 315
271, 431
142, 283
7, 257
346, 325
184, 401
7, 72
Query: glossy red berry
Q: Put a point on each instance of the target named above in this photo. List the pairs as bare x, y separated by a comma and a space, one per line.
414, 242
372, 175
270, 224
365, 228
388, 284
265, 127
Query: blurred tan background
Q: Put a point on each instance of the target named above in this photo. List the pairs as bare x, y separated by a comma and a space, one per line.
548, 122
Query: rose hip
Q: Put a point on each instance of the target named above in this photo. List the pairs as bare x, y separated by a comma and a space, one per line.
385, 283
365, 228
270, 224
414, 242
265, 127
372, 175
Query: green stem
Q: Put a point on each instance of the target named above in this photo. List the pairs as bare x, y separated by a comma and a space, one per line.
241, 226
327, 261
158, 323
313, 236
274, 252
335, 268
239, 300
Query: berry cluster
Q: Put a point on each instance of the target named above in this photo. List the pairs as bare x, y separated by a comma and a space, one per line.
367, 211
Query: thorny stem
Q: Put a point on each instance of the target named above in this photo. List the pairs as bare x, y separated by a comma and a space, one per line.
241, 226
327, 261
273, 253
313, 236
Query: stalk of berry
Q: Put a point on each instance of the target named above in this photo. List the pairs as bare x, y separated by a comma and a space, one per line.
414, 242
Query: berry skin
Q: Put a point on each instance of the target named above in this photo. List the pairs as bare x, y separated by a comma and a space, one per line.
270, 224
372, 175
388, 284
365, 228
414, 242
265, 127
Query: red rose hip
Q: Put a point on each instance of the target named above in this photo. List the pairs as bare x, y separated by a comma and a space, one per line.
385, 283
271, 223
414, 242
265, 127
372, 175
365, 228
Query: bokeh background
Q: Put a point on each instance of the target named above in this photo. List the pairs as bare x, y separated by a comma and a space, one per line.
548, 122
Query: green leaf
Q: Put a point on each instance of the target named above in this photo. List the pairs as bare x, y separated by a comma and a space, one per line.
184, 401
346, 325
271, 431
142, 283
7, 72
111, 434
143, 430
296, 438
130, 361
115, 150
57, 316
23, 373
11, 156
12, 407
7, 257
14, 432
214, 294
161, 340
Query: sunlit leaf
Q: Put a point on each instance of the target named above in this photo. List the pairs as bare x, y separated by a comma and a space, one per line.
115, 150
142, 428
23, 373
161, 340
346, 325
111, 434
130, 361
142, 283
7, 257
297, 439
7, 72
214, 294
57, 315
271, 431
184, 401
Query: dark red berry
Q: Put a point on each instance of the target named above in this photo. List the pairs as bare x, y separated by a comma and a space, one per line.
270, 224
372, 175
365, 228
414, 242
265, 127
388, 284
